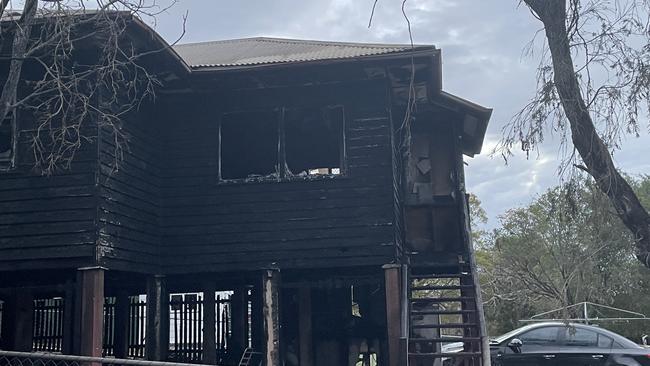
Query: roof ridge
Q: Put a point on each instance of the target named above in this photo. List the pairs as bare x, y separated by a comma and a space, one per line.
348, 44
307, 42
267, 50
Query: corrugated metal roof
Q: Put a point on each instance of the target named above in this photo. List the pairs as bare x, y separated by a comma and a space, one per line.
262, 50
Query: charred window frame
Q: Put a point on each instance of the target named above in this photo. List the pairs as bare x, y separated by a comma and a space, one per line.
314, 142
8, 142
249, 145
282, 144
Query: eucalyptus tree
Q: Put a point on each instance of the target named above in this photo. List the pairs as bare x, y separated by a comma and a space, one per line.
593, 89
564, 248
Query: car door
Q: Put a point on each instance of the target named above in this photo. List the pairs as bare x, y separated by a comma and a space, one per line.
539, 348
583, 347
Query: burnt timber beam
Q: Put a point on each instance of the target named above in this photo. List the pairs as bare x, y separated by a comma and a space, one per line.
157, 328
305, 327
209, 324
90, 310
239, 310
393, 312
17, 321
68, 318
271, 311
121, 338
257, 322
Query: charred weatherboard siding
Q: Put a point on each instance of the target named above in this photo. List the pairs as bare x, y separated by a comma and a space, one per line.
333, 220
47, 221
129, 194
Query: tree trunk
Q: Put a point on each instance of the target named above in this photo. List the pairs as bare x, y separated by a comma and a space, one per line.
590, 146
22, 32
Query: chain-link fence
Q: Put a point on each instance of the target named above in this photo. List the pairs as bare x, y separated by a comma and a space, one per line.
10, 358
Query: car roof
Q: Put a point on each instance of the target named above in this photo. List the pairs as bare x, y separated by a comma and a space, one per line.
617, 337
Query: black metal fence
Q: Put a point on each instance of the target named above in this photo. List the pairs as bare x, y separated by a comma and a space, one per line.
186, 324
136, 327
48, 325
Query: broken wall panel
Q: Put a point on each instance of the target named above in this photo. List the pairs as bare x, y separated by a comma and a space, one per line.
431, 211
431, 158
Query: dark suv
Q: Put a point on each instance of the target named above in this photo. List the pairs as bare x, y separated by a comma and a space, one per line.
560, 344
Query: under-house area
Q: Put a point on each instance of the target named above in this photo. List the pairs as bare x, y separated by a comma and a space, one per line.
279, 202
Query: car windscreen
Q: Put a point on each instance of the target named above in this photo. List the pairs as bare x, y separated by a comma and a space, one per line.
511, 334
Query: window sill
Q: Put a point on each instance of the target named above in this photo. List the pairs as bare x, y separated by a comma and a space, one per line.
6, 166
273, 179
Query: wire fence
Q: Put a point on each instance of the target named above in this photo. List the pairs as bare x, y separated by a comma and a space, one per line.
10, 358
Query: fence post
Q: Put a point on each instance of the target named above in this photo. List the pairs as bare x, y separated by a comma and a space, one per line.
257, 320
121, 325
68, 318
209, 325
157, 328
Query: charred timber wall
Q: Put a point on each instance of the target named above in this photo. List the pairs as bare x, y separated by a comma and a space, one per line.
162, 209
129, 195
326, 222
47, 221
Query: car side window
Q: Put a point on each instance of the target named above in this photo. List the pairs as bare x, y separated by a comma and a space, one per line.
577, 337
540, 337
605, 342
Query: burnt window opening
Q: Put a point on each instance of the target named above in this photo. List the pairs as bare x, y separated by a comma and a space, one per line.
314, 141
248, 145
7, 143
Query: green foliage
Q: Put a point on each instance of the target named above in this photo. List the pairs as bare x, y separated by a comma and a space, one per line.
566, 247
478, 218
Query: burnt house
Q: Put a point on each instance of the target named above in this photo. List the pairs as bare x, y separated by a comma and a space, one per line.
303, 199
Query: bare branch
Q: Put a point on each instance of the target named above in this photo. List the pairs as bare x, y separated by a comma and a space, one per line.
70, 97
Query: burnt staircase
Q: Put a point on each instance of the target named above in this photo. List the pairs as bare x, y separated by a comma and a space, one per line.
443, 309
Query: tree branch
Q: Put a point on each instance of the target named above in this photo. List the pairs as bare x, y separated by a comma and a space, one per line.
19, 47
593, 151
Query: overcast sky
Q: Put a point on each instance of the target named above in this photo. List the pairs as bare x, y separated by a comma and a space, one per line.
481, 42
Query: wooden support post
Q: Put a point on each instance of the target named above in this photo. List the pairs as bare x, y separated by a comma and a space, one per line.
17, 321
270, 296
121, 335
157, 328
90, 311
305, 327
257, 317
68, 318
209, 325
239, 311
393, 318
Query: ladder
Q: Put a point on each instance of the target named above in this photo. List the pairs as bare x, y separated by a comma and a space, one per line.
443, 309
247, 357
